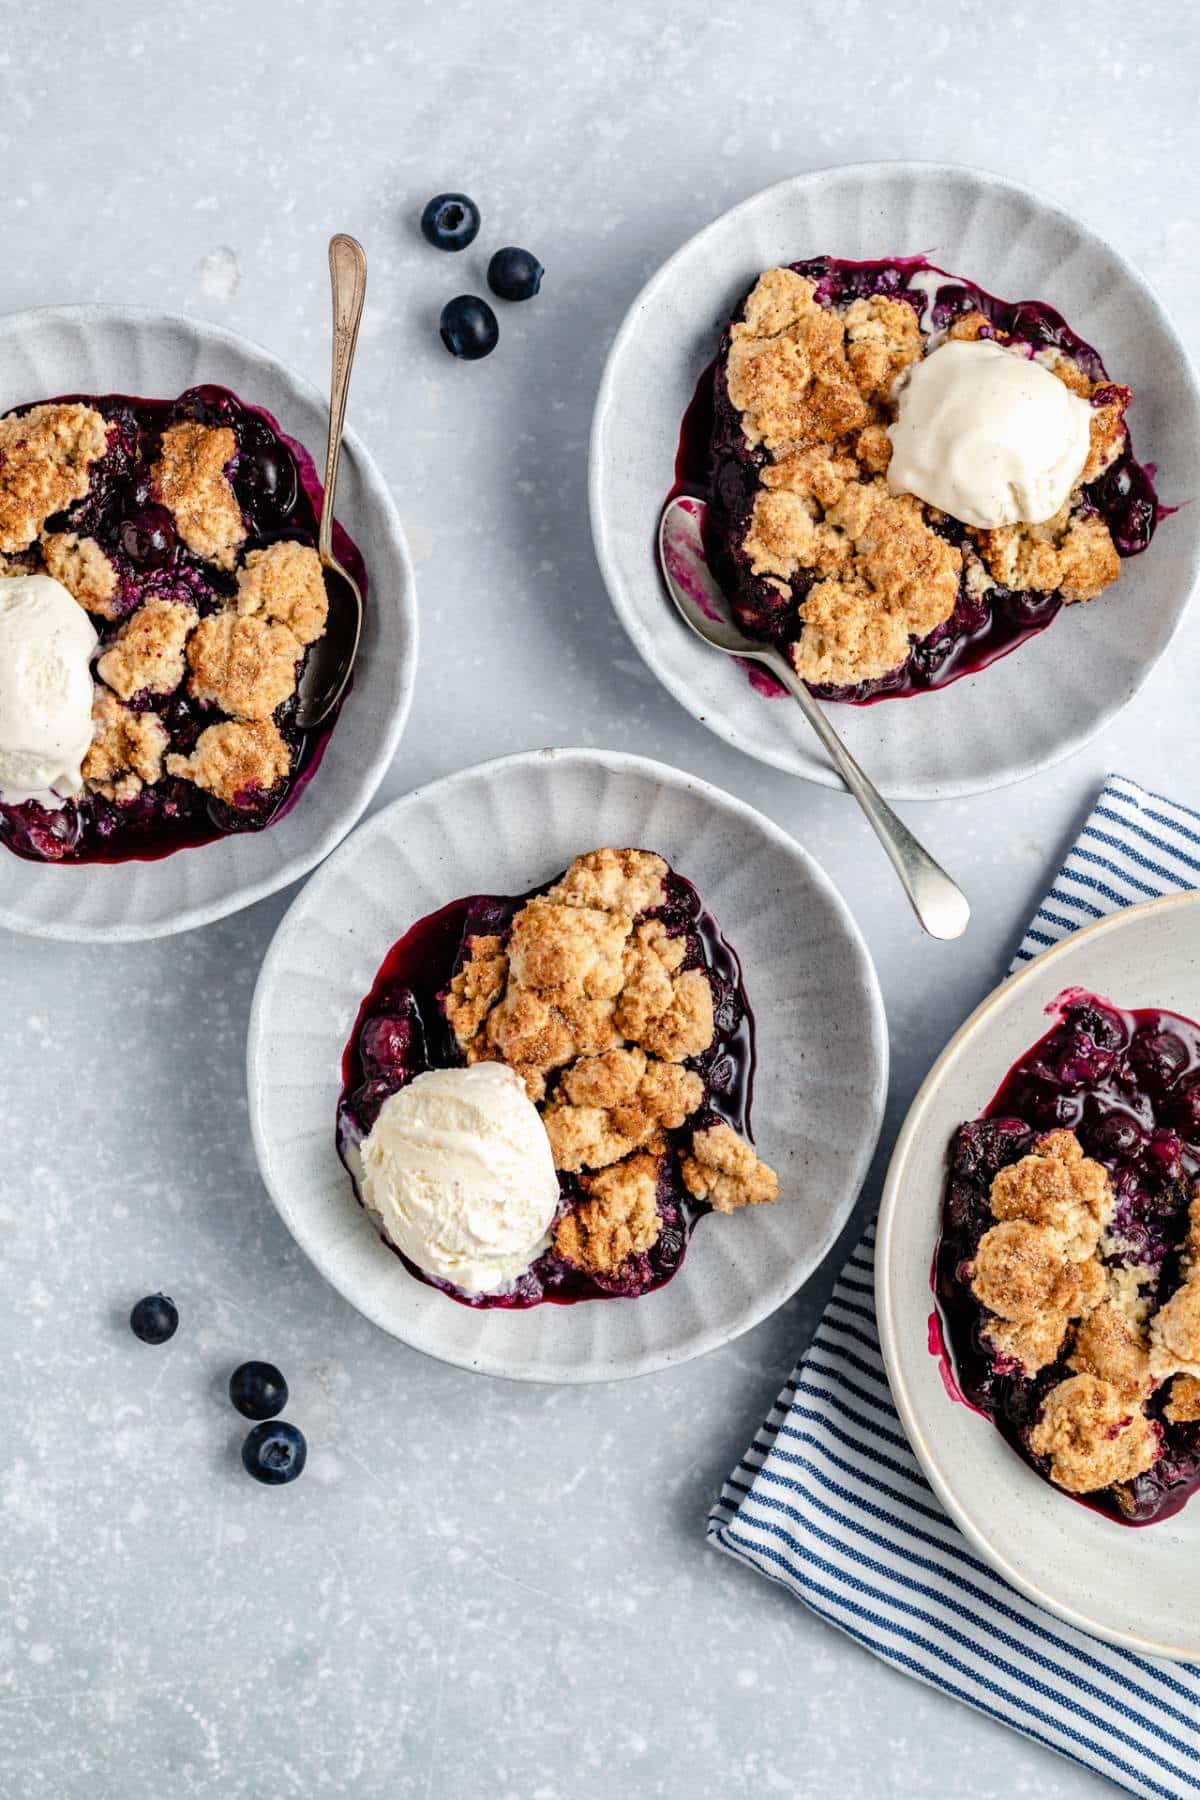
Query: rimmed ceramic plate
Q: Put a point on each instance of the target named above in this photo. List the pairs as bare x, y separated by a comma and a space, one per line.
125, 349
1053, 693
1137, 1586
502, 828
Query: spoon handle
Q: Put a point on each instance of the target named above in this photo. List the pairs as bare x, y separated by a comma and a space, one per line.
348, 279
938, 902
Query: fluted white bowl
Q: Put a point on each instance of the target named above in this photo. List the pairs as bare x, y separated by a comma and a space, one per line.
1053, 693
504, 827
1139, 1587
128, 350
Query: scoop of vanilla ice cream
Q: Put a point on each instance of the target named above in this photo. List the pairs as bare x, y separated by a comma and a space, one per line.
46, 646
988, 435
459, 1170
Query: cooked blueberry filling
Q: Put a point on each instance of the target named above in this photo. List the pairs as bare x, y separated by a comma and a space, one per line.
126, 543
411, 1022
991, 615
1125, 1086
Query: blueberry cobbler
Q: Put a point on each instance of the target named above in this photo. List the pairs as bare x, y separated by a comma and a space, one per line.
906, 477
1068, 1270
542, 1095
161, 591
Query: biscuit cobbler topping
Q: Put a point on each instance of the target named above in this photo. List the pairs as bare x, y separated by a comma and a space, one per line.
1068, 1271
868, 590
613, 998
186, 532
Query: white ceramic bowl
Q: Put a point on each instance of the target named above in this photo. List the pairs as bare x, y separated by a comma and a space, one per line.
1135, 1586
1051, 695
502, 828
125, 349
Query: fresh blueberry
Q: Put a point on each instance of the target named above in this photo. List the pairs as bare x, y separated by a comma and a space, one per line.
258, 1390
274, 1452
149, 540
514, 274
154, 1319
468, 327
450, 221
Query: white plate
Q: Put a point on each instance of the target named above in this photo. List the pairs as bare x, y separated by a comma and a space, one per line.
502, 828
1052, 694
1137, 1586
127, 350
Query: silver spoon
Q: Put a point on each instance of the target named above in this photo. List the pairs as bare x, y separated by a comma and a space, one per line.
938, 902
331, 659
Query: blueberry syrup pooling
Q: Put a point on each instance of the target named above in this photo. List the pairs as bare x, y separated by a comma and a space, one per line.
279, 493
1128, 1085
401, 1031
715, 463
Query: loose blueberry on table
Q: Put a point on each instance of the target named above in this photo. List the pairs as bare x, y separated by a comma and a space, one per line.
611, 1001
514, 274
186, 532
154, 1319
258, 1390
873, 593
1067, 1273
450, 222
274, 1453
469, 328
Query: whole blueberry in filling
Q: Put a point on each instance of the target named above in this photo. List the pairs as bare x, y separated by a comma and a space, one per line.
186, 531
1068, 1268
869, 589
612, 1004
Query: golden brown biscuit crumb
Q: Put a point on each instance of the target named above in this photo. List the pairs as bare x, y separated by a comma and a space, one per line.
237, 761
1057, 1185
1032, 1343
882, 337
1021, 1272
726, 1172
1074, 554
1183, 1405
84, 570
577, 980
45, 463
1109, 1346
667, 1011
1094, 1435
127, 748
787, 371
536, 1034
971, 326
285, 582
146, 656
247, 666
888, 576
611, 1104
1175, 1332
476, 988
190, 480
619, 1219
619, 881
569, 949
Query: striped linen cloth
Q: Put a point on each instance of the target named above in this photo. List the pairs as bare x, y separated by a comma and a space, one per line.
830, 1501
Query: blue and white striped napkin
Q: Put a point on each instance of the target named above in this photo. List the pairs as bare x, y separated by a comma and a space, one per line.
830, 1501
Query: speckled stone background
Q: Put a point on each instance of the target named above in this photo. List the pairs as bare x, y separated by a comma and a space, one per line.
476, 1589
